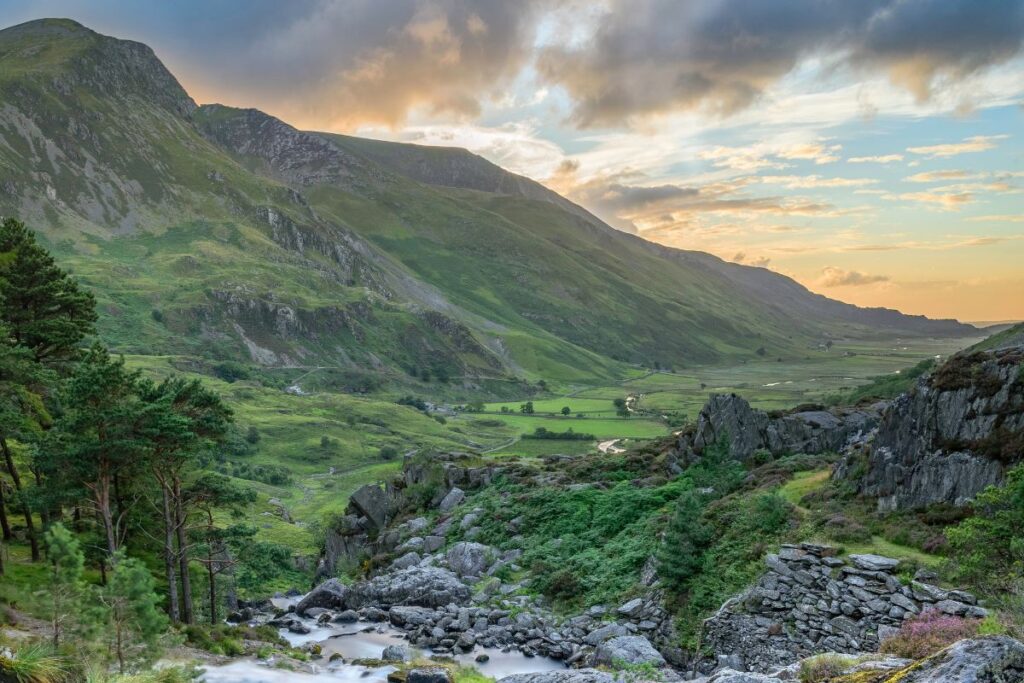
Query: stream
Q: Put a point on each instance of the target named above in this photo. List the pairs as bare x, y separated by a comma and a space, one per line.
362, 640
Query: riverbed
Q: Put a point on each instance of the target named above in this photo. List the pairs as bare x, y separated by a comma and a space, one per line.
361, 641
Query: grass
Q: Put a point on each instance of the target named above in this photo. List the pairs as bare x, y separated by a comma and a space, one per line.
803, 483
880, 546
600, 427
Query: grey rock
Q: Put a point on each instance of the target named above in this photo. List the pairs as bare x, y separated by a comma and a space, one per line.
922, 452
428, 675
628, 650
432, 544
420, 586
330, 594
733, 676
451, 499
750, 430
995, 659
395, 653
410, 559
347, 617
876, 563
470, 559
561, 676
407, 615
373, 502
606, 632
631, 608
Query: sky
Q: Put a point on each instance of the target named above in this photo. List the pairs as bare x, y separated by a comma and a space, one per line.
871, 149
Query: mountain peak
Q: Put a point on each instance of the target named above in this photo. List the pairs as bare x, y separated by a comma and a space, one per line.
64, 54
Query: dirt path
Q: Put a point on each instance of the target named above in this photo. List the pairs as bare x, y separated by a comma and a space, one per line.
610, 447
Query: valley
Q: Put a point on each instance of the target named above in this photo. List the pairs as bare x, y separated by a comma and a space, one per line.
288, 404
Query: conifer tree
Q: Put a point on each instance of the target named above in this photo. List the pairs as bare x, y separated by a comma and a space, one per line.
681, 554
131, 614
66, 585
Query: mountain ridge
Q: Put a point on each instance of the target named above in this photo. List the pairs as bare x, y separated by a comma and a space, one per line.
306, 247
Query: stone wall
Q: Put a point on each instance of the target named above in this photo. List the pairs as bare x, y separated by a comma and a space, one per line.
811, 601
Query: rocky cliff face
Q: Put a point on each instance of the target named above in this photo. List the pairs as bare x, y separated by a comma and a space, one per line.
811, 430
954, 434
365, 530
811, 601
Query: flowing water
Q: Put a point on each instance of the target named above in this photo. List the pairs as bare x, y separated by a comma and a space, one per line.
362, 640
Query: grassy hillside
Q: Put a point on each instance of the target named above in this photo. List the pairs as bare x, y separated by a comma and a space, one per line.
229, 235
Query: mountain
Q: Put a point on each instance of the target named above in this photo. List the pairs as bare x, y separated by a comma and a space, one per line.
226, 234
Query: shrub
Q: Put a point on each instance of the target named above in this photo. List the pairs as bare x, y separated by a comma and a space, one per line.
388, 453
824, 667
927, 633
32, 663
230, 371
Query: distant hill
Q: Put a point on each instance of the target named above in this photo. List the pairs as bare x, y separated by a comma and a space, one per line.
1010, 336
227, 234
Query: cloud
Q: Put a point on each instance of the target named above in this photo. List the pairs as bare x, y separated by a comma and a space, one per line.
977, 143
331, 63
756, 261
1004, 218
947, 201
818, 153
937, 176
814, 181
655, 56
837, 277
883, 159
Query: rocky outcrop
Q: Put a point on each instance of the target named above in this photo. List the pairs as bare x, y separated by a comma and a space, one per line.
806, 430
950, 437
810, 601
994, 659
365, 529
419, 586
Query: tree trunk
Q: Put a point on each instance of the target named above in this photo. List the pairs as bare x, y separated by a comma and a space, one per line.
5, 524
213, 590
173, 605
101, 496
186, 581
30, 525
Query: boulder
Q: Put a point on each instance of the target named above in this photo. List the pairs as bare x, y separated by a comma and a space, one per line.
627, 650
470, 559
606, 632
410, 559
347, 617
419, 586
374, 503
395, 653
407, 615
995, 659
454, 497
432, 674
561, 676
330, 594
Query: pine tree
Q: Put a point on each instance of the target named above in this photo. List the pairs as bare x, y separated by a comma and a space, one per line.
65, 578
41, 304
131, 613
44, 316
96, 445
681, 554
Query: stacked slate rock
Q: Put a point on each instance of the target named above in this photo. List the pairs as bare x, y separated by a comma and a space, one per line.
811, 601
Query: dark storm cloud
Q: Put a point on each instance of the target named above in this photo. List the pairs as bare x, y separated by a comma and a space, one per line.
650, 56
342, 61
